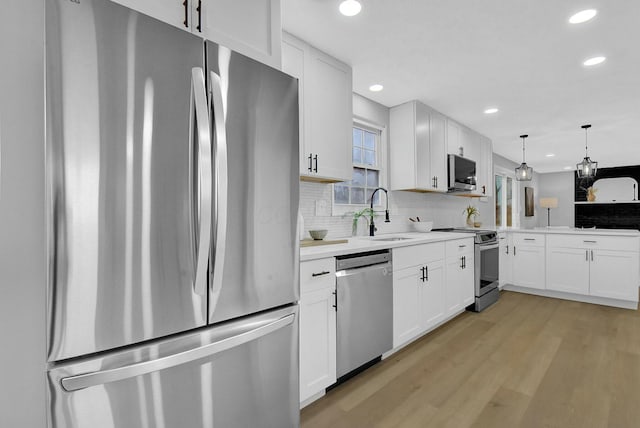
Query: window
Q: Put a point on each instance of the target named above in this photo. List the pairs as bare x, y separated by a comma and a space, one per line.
367, 171
506, 195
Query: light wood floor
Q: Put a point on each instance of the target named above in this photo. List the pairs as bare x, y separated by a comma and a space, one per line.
527, 361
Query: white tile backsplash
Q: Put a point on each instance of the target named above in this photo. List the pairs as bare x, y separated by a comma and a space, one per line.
443, 210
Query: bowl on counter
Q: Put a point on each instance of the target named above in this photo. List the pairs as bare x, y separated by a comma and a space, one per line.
318, 234
422, 226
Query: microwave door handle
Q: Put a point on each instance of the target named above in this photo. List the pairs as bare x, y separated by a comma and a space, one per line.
221, 186
199, 93
87, 380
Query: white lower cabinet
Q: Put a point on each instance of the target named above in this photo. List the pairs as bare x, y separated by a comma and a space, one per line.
528, 262
568, 270
431, 282
459, 291
317, 326
418, 290
614, 274
593, 265
603, 269
504, 259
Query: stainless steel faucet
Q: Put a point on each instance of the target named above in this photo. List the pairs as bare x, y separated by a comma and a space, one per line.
372, 226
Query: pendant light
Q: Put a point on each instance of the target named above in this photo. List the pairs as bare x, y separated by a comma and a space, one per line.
524, 172
586, 168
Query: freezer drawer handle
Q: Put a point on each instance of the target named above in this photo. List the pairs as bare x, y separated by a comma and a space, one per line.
199, 92
222, 178
86, 380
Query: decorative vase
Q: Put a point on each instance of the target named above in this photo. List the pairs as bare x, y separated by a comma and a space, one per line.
591, 194
469, 221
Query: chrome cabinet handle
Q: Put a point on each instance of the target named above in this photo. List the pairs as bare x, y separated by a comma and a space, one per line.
185, 3
586, 255
529, 239
590, 242
507, 250
86, 380
310, 163
461, 246
222, 185
514, 250
324, 272
335, 296
199, 10
591, 255
315, 158
199, 93
426, 273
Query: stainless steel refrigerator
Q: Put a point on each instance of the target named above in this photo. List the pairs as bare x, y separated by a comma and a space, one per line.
172, 171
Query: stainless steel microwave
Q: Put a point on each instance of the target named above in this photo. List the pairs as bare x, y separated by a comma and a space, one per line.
462, 174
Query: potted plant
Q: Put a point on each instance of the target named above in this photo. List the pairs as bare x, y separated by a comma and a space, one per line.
471, 212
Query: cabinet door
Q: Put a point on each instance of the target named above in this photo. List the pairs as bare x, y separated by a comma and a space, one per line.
174, 12
467, 281
614, 274
568, 270
438, 151
250, 27
422, 160
528, 267
406, 305
317, 342
504, 262
487, 163
293, 63
453, 286
453, 137
432, 295
328, 117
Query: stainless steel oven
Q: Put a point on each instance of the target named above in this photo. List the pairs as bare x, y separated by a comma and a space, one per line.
486, 270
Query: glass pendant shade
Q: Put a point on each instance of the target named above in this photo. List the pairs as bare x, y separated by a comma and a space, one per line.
586, 168
524, 172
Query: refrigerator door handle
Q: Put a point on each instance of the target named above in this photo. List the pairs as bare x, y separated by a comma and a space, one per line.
204, 167
220, 232
86, 380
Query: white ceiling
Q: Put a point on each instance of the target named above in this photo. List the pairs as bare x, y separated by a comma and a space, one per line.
522, 56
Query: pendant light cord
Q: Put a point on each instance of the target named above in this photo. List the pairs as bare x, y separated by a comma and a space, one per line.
586, 142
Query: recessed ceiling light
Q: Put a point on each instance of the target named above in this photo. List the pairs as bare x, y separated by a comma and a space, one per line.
376, 88
350, 7
567, 167
594, 61
491, 110
583, 16
550, 155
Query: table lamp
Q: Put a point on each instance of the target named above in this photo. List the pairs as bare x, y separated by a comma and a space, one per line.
548, 203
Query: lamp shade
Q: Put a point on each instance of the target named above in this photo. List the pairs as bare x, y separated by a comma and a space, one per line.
548, 202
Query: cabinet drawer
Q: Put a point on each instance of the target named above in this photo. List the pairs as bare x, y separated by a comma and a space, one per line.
415, 255
459, 247
613, 243
528, 239
317, 274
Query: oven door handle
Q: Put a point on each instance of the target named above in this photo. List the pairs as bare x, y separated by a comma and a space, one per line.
488, 246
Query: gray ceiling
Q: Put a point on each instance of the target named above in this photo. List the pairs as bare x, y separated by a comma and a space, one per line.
523, 57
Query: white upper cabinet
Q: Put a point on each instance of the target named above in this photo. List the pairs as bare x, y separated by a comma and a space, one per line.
250, 27
467, 143
326, 111
418, 148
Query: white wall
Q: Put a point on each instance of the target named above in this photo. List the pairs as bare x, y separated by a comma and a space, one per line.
22, 245
558, 185
443, 210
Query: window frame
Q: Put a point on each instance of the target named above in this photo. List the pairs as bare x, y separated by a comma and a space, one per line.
381, 167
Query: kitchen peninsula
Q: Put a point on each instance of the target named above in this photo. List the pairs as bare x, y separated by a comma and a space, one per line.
600, 266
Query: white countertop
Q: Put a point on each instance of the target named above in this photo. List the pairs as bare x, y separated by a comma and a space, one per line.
365, 243
576, 231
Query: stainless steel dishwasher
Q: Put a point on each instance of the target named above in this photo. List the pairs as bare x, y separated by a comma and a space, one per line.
364, 305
